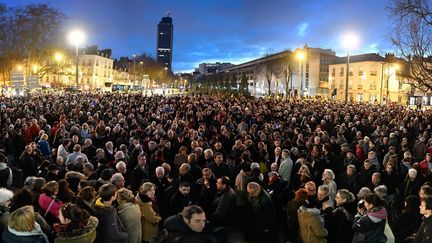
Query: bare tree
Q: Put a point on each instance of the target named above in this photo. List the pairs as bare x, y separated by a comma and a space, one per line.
31, 32
412, 35
286, 68
268, 70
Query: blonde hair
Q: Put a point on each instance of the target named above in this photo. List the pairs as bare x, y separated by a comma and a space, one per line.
124, 195
146, 187
22, 219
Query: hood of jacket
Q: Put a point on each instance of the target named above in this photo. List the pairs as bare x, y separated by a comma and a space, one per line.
101, 209
3, 166
378, 215
308, 212
92, 223
36, 231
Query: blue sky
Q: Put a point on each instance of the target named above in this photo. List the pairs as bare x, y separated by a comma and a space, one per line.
226, 30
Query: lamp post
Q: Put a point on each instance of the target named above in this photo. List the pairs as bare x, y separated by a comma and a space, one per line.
58, 57
76, 37
134, 72
349, 41
300, 57
388, 66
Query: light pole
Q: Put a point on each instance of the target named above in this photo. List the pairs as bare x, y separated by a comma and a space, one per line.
76, 37
134, 72
300, 57
58, 57
349, 41
388, 66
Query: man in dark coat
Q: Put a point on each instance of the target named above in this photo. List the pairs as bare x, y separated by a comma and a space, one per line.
188, 227
424, 233
110, 227
224, 203
26, 163
262, 214
205, 190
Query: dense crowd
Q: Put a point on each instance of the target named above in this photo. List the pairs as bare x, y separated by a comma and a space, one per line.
131, 168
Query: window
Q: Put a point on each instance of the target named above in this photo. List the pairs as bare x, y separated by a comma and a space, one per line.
373, 73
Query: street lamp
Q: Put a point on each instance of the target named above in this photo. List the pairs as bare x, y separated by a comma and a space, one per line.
58, 57
350, 41
300, 57
76, 37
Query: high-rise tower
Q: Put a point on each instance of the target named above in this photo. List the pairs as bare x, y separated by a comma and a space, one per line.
165, 33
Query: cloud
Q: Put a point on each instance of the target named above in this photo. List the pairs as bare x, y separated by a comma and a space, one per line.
302, 29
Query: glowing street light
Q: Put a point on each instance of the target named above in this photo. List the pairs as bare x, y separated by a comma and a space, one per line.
58, 57
35, 68
19, 67
300, 56
349, 41
76, 38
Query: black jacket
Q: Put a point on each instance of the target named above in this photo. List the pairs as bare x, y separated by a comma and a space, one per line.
424, 234
179, 232
406, 224
223, 206
110, 228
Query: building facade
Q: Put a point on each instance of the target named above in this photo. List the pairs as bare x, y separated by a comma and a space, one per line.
165, 31
371, 79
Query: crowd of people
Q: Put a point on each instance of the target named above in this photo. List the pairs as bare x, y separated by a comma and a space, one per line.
132, 168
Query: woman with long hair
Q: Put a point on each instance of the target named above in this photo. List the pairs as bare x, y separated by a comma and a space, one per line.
341, 218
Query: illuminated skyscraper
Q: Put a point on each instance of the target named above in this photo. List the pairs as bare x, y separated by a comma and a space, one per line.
165, 33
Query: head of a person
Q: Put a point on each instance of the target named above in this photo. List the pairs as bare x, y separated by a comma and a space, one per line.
376, 178
351, 169
160, 172
363, 192
207, 173
344, 196
184, 188
311, 188
51, 188
301, 195
121, 167
412, 203
184, 169
73, 215
425, 191
412, 174
107, 192
124, 196
328, 175
5, 197
148, 189
223, 183
253, 190
88, 194
142, 160
304, 170
372, 200
194, 217
381, 191
323, 192
22, 219
118, 180
426, 207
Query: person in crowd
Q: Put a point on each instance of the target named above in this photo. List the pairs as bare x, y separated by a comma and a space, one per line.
341, 218
286, 166
328, 178
311, 225
409, 221
301, 178
188, 226
219, 167
110, 227
130, 215
370, 220
205, 190
86, 198
262, 214
223, 205
5, 200
300, 199
5, 172
181, 198
75, 225
22, 227
424, 233
150, 217
348, 179
49, 203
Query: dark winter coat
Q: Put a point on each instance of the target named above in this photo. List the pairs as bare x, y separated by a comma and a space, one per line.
110, 228
406, 224
179, 232
339, 228
369, 228
223, 206
35, 236
424, 233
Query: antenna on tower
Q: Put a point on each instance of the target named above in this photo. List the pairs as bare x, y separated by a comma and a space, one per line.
168, 13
